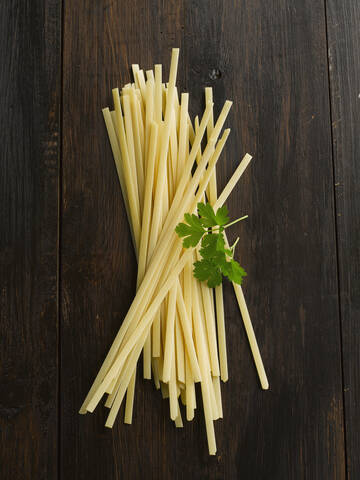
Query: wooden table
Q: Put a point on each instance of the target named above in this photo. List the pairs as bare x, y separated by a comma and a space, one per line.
68, 271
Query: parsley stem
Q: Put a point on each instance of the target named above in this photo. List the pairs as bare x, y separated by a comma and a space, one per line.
217, 228
236, 221
235, 243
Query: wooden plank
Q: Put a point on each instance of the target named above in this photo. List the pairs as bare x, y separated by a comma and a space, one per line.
98, 263
270, 58
29, 125
343, 19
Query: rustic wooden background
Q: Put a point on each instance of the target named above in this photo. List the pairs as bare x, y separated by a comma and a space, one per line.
67, 273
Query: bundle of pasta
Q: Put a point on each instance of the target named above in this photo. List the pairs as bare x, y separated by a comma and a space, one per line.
174, 319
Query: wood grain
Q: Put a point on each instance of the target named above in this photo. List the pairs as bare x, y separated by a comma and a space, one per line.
343, 19
272, 62
271, 59
30, 71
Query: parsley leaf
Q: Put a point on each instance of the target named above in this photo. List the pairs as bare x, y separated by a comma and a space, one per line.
209, 218
234, 272
216, 258
192, 231
208, 270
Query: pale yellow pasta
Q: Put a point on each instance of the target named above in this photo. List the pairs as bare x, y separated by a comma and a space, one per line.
172, 317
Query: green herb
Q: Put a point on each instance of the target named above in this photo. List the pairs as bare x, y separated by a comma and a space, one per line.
217, 261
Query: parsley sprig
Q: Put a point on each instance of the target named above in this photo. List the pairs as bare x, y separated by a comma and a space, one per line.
208, 228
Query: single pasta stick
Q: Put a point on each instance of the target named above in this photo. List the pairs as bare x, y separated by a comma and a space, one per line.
177, 110
155, 367
200, 342
182, 135
180, 353
163, 321
129, 405
171, 182
161, 127
158, 93
164, 93
156, 331
217, 390
146, 219
149, 116
141, 83
164, 390
135, 69
160, 359
174, 406
212, 187
111, 386
164, 308
147, 358
111, 397
170, 325
220, 317
233, 181
141, 109
141, 127
186, 328
189, 390
197, 126
147, 287
182, 395
178, 420
251, 336
143, 254
191, 131
165, 202
173, 153
150, 75
188, 294
156, 328
190, 386
137, 146
129, 173
214, 405
156, 334
130, 142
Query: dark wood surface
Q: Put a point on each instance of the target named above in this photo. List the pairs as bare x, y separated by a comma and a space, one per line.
292, 70
343, 20
30, 78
